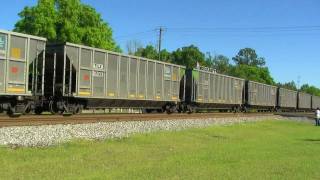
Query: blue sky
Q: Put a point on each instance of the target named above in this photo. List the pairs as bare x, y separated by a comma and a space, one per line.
289, 52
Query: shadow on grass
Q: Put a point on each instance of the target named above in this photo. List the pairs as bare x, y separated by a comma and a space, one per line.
218, 136
312, 140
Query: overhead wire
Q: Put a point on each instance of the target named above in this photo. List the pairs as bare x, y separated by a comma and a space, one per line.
232, 32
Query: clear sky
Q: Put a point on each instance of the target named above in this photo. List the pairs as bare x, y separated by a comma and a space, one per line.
285, 32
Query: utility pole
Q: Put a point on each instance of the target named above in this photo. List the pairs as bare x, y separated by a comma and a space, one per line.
298, 82
161, 29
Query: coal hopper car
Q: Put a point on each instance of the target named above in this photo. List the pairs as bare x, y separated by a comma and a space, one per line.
315, 102
81, 77
260, 96
210, 90
287, 100
21, 72
304, 101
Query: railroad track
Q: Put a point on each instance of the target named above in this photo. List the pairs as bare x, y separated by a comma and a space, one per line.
36, 120
33, 120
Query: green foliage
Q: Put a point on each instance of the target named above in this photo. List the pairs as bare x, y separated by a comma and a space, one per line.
310, 89
289, 85
219, 62
253, 73
66, 20
248, 56
148, 52
166, 56
188, 56
39, 20
151, 53
247, 64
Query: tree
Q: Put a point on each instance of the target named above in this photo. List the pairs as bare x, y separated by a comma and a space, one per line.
66, 20
289, 85
310, 89
252, 73
248, 56
166, 56
188, 56
39, 20
148, 52
218, 62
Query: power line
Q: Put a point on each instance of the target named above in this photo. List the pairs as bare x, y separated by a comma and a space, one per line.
263, 28
228, 30
134, 34
267, 31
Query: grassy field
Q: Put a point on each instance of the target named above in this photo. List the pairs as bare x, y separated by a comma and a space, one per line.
262, 150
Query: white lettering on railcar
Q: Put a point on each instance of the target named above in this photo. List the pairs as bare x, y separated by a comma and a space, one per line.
2, 42
98, 66
207, 69
167, 72
97, 74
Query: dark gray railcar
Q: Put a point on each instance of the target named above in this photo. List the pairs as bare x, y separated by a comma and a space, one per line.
287, 99
315, 102
211, 90
304, 101
260, 95
21, 65
98, 78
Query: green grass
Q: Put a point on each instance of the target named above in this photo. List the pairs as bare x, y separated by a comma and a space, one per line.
262, 150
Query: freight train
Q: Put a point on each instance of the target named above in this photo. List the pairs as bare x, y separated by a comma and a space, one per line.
36, 76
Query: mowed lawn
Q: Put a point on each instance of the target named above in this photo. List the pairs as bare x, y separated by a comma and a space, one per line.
261, 150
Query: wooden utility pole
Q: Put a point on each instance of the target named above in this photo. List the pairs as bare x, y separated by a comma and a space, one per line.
160, 41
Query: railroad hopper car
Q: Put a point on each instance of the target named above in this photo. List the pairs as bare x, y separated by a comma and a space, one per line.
260, 96
80, 77
209, 90
21, 72
315, 102
304, 101
287, 99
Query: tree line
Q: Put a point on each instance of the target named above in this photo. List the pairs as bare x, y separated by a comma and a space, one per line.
75, 22
246, 64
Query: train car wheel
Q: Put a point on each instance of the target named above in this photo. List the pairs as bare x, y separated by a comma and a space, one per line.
77, 109
236, 109
38, 110
190, 109
169, 109
53, 107
11, 110
245, 109
27, 110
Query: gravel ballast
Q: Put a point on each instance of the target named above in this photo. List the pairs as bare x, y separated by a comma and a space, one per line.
48, 135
